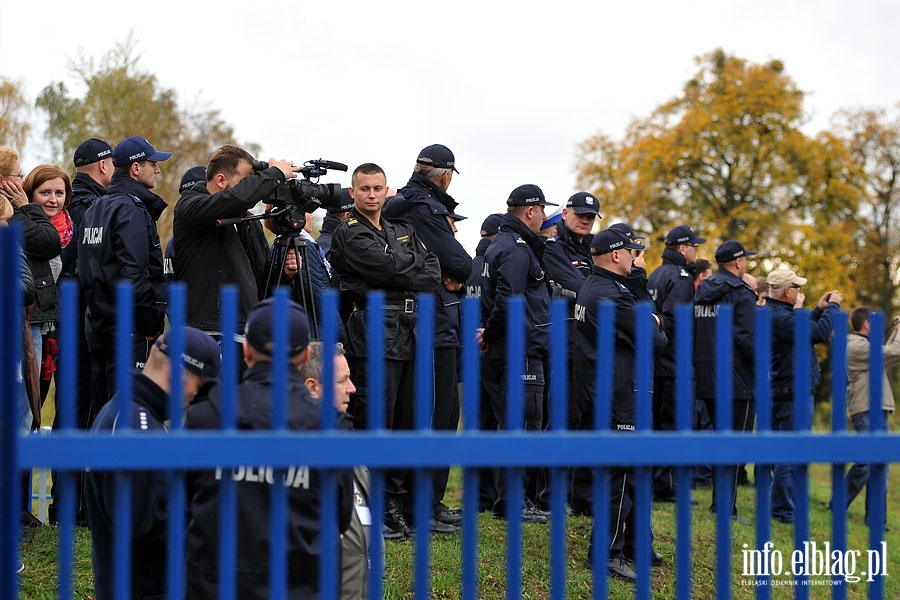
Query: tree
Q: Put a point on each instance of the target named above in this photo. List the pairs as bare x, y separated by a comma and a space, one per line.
728, 157
873, 139
121, 100
14, 126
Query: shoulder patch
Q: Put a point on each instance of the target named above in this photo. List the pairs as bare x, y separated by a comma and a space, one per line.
352, 222
402, 238
521, 241
682, 272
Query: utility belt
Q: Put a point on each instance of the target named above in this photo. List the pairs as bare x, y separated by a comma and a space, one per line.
407, 306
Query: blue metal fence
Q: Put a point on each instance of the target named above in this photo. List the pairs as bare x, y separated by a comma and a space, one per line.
69, 450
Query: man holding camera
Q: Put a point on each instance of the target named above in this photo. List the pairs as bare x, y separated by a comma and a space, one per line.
210, 256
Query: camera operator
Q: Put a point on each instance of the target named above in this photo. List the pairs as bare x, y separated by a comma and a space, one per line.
210, 256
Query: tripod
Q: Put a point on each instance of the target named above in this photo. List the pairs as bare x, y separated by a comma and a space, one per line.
301, 286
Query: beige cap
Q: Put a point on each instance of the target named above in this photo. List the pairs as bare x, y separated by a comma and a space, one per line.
783, 277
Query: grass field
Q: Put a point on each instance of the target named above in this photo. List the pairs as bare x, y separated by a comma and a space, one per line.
40, 577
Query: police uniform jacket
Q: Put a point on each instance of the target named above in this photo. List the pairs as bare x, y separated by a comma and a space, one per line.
783, 318
253, 484
85, 190
670, 285
149, 514
724, 288
118, 241
41, 244
606, 286
209, 256
473, 283
858, 347
391, 259
567, 262
425, 207
513, 268
329, 224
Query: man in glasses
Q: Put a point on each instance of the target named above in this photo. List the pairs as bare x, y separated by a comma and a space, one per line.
670, 285
784, 287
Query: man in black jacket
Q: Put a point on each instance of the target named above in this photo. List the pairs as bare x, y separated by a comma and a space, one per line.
670, 285
118, 241
612, 258
208, 256
370, 252
254, 483
149, 499
512, 267
425, 205
726, 287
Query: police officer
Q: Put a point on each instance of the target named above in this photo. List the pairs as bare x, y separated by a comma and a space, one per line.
612, 259
370, 252
118, 241
254, 483
670, 285
512, 267
567, 261
149, 412
726, 287
425, 204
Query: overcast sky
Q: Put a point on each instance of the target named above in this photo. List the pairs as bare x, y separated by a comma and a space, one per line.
510, 87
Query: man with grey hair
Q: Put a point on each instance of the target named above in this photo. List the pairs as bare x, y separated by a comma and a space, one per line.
784, 287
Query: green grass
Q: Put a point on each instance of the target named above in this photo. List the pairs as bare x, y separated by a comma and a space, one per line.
40, 577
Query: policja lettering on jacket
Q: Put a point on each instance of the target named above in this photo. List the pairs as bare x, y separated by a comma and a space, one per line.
295, 477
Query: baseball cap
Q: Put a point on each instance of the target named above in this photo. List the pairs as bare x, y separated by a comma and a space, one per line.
135, 149
192, 177
200, 354
627, 230
554, 218
261, 319
732, 250
90, 151
437, 156
683, 235
346, 203
612, 239
491, 225
528, 195
783, 277
583, 203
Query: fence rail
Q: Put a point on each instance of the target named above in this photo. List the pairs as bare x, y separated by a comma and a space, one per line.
70, 451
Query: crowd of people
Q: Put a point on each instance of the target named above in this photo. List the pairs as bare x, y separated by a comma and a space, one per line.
99, 228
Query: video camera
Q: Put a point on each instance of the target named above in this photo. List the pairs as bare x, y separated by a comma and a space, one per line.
294, 198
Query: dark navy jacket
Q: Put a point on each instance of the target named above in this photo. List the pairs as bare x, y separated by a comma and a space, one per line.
253, 485
670, 285
724, 288
783, 318
605, 286
473, 283
425, 207
513, 268
118, 241
329, 224
567, 261
85, 190
149, 500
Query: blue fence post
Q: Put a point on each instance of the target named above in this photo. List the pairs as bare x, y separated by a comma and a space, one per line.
278, 500
515, 392
558, 380
68, 383
423, 413
803, 410
839, 425
471, 309
227, 487
643, 410
375, 419
603, 380
685, 409
877, 470
175, 479
328, 419
763, 472
10, 356
123, 488
725, 476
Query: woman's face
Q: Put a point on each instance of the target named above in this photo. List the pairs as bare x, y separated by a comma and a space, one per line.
51, 195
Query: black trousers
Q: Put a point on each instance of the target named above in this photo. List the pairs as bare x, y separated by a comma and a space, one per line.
399, 408
494, 391
103, 370
664, 420
446, 409
742, 418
